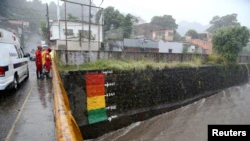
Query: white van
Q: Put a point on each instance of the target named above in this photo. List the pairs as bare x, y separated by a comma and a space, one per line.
13, 63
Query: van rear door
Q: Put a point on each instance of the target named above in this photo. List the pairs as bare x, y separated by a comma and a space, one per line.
5, 61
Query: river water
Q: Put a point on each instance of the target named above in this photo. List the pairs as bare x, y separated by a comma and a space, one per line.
189, 123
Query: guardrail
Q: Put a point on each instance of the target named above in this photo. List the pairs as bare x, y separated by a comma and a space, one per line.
66, 126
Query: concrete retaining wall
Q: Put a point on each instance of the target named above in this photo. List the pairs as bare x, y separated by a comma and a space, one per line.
106, 100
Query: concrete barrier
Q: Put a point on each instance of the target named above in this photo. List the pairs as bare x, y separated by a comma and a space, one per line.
66, 126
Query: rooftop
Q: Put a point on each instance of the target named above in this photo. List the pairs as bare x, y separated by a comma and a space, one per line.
141, 43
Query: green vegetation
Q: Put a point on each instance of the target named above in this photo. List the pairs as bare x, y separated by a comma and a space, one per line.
185, 50
192, 33
44, 29
165, 21
71, 17
177, 37
24, 11
218, 22
228, 42
127, 26
116, 20
215, 59
129, 65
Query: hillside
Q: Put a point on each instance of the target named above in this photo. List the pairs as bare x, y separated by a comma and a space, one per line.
184, 26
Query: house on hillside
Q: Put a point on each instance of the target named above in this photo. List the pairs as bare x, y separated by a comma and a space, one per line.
19, 23
188, 39
163, 34
203, 41
15, 26
155, 32
77, 35
140, 45
177, 47
145, 30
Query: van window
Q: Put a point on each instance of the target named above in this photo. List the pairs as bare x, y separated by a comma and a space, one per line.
18, 52
21, 53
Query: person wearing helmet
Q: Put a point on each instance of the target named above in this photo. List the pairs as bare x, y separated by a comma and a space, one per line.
39, 62
47, 62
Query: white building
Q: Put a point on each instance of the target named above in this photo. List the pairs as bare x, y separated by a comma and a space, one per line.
74, 29
176, 47
170, 47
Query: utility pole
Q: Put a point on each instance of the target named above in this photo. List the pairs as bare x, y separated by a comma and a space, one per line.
58, 18
66, 35
90, 2
48, 32
22, 37
81, 33
99, 23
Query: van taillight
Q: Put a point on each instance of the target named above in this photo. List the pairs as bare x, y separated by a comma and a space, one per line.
2, 71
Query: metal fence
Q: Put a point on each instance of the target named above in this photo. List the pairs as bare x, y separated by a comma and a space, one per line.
81, 57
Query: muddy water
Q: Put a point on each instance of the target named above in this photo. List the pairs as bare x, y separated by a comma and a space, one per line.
189, 123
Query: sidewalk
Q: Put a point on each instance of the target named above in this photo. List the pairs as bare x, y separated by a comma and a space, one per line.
36, 120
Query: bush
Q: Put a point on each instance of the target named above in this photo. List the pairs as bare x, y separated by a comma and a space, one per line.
215, 59
229, 41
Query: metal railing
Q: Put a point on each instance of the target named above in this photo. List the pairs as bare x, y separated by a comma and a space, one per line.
66, 126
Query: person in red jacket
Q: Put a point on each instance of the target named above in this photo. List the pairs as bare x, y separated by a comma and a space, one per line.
48, 62
39, 62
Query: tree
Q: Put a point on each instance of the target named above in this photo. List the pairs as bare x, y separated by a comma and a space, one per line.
185, 50
71, 17
192, 33
115, 20
44, 29
177, 36
229, 41
127, 26
52, 10
24, 11
165, 21
218, 22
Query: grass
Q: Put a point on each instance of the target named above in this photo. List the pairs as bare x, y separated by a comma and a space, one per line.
129, 65
215, 59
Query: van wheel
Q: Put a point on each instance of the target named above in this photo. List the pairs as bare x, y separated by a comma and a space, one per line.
15, 83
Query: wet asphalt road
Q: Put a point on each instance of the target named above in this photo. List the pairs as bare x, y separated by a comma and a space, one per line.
27, 114
190, 123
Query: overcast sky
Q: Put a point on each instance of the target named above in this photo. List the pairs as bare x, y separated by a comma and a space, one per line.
200, 11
